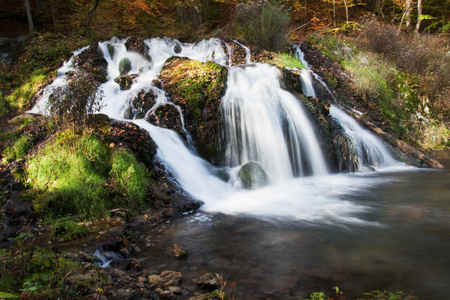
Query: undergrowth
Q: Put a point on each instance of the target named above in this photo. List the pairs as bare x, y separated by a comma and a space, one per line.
398, 92
262, 24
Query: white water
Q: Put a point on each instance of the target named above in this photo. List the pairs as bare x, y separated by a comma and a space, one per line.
368, 149
266, 124
307, 76
263, 122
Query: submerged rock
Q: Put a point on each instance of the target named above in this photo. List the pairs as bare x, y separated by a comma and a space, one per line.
207, 282
252, 175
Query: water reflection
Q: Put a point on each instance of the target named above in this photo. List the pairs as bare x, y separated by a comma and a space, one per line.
400, 244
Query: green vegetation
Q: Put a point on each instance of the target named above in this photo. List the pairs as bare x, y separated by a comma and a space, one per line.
285, 60
415, 110
68, 229
32, 270
18, 149
374, 295
197, 84
130, 178
77, 175
262, 24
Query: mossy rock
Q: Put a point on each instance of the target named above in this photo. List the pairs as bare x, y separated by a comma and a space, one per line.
125, 81
197, 88
124, 66
252, 175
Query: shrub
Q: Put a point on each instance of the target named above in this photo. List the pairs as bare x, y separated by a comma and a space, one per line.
262, 24
75, 101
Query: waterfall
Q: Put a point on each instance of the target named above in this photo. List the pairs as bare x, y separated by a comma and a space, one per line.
366, 149
266, 124
263, 125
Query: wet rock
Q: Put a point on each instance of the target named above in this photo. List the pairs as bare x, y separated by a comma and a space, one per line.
291, 81
124, 66
138, 45
144, 100
177, 48
164, 279
125, 81
167, 116
175, 290
252, 175
134, 265
207, 282
92, 61
178, 251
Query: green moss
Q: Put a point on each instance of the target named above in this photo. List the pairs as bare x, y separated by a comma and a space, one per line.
131, 178
68, 230
70, 174
22, 95
197, 84
79, 176
18, 149
285, 60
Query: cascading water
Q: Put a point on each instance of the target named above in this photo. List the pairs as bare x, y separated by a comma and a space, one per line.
366, 151
266, 124
263, 124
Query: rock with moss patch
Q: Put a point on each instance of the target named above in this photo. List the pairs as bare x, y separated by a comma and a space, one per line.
197, 88
125, 81
252, 175
124, 66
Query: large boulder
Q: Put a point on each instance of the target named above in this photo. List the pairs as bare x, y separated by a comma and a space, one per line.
197, 88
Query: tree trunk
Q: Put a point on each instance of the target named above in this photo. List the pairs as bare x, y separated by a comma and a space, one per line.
379, 5
29, 16
334, 13
419, 15
55, 17
408, 15
346, 11
91, 13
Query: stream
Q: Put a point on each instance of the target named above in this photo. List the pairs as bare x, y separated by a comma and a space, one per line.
382, 230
